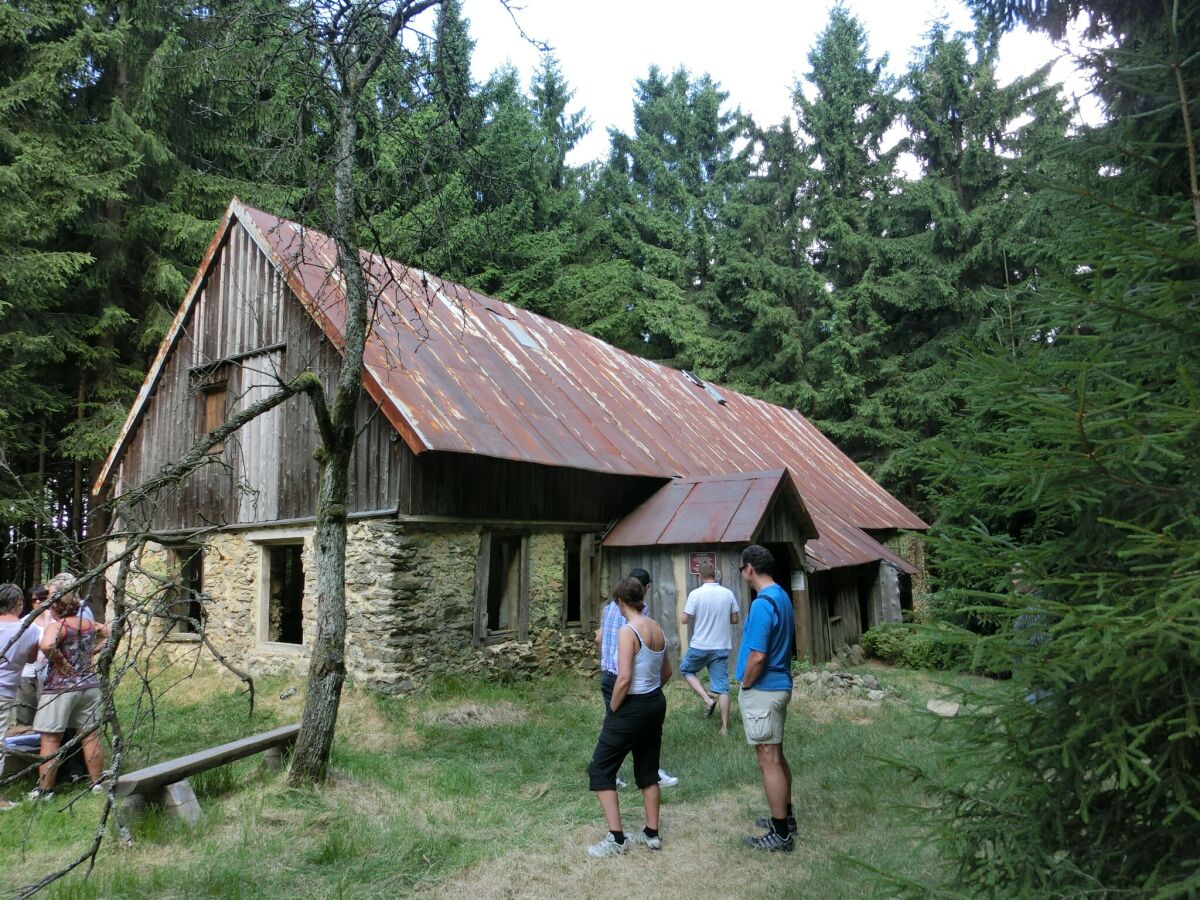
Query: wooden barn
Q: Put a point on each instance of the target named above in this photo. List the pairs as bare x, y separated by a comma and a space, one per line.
508, 470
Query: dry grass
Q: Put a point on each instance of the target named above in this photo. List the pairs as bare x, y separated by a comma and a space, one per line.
477, 715
701, 855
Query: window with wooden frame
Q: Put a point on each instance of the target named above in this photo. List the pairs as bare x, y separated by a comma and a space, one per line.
502, 587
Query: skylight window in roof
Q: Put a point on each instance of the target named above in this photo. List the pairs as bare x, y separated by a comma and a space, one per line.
517, 330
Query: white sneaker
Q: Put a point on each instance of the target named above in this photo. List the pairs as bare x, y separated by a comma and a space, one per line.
38, 794
98, 788
666, 779
607, 847
640, 837
621, 785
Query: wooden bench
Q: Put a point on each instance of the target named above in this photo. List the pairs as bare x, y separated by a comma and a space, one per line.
166, 782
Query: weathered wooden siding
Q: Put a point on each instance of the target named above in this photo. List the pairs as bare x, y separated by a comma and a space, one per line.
479, 487
247, 329
781, 527
838, 600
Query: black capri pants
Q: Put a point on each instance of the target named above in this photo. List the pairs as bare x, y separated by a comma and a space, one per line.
635, 728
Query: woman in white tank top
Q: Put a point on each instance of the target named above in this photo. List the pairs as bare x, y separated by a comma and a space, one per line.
633, 722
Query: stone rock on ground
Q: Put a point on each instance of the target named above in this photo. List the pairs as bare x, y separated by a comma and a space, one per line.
945, 708
827, 682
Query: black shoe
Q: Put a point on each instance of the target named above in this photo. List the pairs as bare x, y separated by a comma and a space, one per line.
770, 842
765, 822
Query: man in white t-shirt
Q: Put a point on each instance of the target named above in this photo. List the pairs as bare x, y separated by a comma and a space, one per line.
714, 609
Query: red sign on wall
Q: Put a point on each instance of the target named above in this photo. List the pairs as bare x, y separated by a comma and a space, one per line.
694, 560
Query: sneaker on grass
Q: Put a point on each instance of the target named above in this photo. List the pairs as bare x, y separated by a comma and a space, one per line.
640, 837
607, 847
621, 785
38, 794
770, 842
666, 779
765, 822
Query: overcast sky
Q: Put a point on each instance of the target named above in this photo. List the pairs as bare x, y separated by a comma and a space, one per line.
755, 49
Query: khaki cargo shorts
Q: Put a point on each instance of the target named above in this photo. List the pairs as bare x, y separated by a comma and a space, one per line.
763, 715
70, 709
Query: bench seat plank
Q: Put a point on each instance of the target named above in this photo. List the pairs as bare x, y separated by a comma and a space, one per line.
152, 778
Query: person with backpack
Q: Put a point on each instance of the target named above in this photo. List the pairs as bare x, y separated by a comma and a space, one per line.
71, 695
764, 668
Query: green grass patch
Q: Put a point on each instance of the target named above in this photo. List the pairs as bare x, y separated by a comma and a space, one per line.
480, 789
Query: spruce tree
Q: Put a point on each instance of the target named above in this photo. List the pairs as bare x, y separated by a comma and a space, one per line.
1072, 509
842, 128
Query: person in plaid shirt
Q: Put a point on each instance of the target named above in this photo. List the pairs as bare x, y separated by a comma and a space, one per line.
611, 622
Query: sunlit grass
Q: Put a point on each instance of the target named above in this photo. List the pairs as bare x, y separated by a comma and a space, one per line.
419, 804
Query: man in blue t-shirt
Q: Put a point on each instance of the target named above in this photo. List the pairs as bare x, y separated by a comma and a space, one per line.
764, 668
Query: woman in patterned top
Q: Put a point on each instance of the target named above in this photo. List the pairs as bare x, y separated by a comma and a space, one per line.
71, 696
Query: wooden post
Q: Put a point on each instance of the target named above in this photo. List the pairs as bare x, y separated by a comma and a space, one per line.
803, 610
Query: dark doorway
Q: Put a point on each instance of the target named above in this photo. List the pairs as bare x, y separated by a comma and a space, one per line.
783, 573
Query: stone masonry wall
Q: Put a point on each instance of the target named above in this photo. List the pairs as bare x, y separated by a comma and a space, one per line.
410, 603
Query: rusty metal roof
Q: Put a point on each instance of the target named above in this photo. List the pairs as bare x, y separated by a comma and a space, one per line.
842, 544
714, 509
454, 370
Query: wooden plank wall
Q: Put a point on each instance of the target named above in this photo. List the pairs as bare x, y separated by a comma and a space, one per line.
478, 487
245, 311
837, 599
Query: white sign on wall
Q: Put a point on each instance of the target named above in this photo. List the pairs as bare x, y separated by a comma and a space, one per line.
798, 581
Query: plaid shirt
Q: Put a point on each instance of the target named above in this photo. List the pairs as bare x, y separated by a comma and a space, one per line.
611, 621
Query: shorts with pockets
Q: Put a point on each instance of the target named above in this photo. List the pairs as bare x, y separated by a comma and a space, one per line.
70, 709
717, 662
763, 715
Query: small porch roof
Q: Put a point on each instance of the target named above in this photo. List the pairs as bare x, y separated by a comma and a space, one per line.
710, 509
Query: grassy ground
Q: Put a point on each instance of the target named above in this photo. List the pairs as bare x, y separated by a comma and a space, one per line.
480, 790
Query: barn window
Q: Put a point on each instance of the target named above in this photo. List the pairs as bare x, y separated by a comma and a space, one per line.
285, 593
215, 398
502, 587
188, 610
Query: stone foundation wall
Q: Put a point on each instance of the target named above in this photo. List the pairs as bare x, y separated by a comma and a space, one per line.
410, 604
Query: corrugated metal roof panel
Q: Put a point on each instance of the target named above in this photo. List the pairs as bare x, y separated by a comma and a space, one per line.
719, 509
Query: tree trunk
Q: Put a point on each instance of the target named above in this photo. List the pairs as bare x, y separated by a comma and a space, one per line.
327, 665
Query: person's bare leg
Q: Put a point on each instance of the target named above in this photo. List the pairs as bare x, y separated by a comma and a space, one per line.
699, 689
48, 770
612, 808
93, 756
776, 777
651, 797
723, 700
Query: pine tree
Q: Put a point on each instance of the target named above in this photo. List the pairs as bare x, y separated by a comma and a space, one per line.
655, 211
843, 128
1071, 506
968, 237
766, 285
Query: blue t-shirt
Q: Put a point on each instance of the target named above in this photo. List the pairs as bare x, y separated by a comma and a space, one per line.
770, 629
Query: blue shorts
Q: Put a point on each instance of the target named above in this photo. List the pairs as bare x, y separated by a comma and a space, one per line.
717, 662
